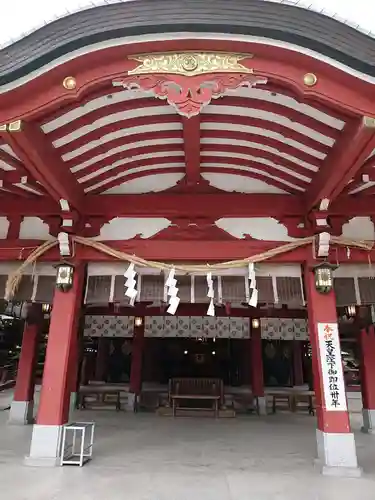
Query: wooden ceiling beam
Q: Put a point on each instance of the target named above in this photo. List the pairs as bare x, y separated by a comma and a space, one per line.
341, 165
43, 163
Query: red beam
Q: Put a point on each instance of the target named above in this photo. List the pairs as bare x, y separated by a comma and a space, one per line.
255, 152
166, 205
8, 187
278, 145
278, 109
180, 251
123, 141
196, 310
12, 162
97, 114
44, 164
194, 205
127, 156
98, 132
125, 177
14, 227
180, 205
19, 172
342, 164
192, 144
210, 251
260, 123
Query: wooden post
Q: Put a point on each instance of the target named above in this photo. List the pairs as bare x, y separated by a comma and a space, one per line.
335, 441
101, 358
22, 407
53, 410
367, 344
297, 363
257, 377
136, 364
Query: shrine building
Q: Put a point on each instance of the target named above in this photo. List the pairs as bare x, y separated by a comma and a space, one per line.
187, 202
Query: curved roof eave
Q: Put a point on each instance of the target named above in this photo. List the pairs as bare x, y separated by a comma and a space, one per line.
275, 19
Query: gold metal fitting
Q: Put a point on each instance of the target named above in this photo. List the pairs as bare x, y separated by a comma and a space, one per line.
70, 83
11, 127
310, 79
369, 122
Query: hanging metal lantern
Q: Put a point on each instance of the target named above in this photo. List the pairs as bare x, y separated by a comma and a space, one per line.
64, 277
255, 323
323, 273
351, 311
138, 321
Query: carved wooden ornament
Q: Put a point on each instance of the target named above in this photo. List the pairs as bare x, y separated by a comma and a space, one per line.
189, 81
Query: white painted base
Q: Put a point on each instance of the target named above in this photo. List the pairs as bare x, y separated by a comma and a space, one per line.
262, 405
45, 446
21, 413
337, 454
131, 401
368, 421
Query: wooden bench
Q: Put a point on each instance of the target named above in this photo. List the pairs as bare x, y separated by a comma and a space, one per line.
281, 399
195, 389
100, 395
304, 400
292, 400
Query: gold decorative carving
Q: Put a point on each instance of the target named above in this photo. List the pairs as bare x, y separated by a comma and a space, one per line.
369, 122
190, 63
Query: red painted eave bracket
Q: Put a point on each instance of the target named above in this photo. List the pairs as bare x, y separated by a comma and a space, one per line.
347, 157
45, 165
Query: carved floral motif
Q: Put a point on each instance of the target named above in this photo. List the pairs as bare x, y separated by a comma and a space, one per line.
190, 80
189, 95
190, 63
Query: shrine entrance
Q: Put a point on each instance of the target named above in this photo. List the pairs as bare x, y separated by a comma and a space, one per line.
201, 357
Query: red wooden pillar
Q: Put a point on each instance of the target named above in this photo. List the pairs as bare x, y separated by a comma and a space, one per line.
101, 358
297, 363
257, 378
22, 407
53, 409
367, 344
335, 441
136, 364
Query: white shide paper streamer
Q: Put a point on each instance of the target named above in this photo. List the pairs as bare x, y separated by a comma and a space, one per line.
253, 301
172, 292
131, 284
210, 295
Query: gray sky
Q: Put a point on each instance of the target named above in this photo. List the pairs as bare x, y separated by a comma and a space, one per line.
22, 16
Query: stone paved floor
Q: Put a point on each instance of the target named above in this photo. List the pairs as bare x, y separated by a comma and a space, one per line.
146, 457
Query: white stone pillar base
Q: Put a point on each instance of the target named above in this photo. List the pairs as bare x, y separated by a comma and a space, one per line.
131, 401
21, 413
72, 404
262, 405
337, 454
368, 421
45, 446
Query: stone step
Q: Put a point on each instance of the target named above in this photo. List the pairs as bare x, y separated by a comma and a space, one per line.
167, 412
